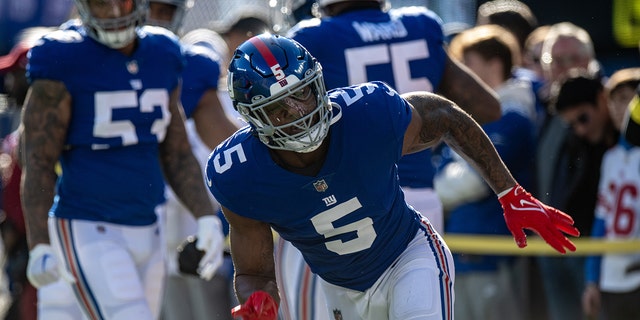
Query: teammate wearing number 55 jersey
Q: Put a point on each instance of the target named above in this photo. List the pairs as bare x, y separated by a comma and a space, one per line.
320, 169
103, 102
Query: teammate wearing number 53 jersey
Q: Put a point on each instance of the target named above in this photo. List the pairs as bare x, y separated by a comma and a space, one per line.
103, 102
320, 169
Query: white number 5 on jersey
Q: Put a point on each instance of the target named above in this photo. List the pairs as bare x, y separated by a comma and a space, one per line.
365, 234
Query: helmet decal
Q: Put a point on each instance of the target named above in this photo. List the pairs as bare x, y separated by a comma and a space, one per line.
268, 57
272, 62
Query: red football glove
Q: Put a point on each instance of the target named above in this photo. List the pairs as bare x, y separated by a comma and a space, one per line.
523, 211
259, 306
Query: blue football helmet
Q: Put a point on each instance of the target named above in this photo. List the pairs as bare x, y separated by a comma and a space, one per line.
277, 86
113, 32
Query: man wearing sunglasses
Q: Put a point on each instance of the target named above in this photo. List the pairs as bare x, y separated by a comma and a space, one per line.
580, 100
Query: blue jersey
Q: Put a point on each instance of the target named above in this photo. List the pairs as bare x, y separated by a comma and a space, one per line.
119, 114
350, 221
402, 47
201, 73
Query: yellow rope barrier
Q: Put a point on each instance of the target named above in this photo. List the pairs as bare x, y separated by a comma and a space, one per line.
505, 245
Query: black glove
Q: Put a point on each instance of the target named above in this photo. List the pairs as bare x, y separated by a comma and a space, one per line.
189, 256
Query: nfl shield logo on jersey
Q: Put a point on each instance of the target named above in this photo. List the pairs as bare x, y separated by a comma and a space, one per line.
320, 185
337, 314
132, 67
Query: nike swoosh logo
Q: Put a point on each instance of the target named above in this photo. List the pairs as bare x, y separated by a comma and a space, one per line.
527, 206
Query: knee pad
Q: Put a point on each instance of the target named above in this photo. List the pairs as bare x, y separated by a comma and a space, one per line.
57, 302
416, 295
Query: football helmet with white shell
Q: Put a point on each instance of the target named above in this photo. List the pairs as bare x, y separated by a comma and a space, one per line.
277, 86
115, 32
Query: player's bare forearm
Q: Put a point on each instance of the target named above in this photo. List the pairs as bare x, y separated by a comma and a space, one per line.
45, 121
245, 285
438, 119
252, 253
463, 87
181, 169
212, 123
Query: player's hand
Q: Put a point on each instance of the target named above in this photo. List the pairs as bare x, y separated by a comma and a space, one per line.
591, 300
259, 306
211, 241
43, 267
523, 211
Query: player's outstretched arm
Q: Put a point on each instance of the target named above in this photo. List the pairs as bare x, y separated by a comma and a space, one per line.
438, 119
464, 87
183, 173
181, 168
252, 254
212, 123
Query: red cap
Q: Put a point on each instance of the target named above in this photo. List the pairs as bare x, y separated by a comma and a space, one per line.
17, 57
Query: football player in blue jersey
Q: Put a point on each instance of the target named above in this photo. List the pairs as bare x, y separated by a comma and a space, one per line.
320, 168
104, 104
207, 125
403, 47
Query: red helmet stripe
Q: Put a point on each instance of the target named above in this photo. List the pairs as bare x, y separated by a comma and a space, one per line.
264, 51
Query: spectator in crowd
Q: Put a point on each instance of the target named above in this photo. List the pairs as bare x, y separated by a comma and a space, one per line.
516, 17
14, 81
23, 294
567, 46
532, 68
187, 296
513, 15
566, 167
580, 106
613, 280
532, 51
104, 104
621, 89
484, 284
